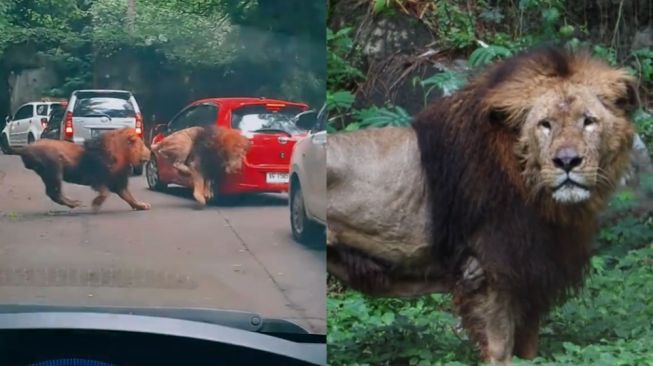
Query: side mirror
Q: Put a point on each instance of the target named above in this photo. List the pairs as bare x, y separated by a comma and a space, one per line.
159, 128
7, 119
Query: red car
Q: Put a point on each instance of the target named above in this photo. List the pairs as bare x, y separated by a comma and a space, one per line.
268, 123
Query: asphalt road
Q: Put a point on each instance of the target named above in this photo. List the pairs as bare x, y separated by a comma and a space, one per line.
238, 257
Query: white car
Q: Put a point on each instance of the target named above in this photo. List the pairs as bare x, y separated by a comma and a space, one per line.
308, 180
26, 124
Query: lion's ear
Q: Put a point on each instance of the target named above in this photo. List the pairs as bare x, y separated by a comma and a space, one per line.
131, 139
628, 100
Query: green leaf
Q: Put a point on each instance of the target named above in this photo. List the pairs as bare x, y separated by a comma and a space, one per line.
388, 318
484, 55
380, 5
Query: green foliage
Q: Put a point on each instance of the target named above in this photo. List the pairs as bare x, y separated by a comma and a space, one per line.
484, 55
447, 82
379, 117
644, 123
454, 24
340, 72
608, 324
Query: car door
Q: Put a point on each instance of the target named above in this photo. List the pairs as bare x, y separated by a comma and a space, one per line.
53, 128
200, 115
315, 170
20, 124
179, 122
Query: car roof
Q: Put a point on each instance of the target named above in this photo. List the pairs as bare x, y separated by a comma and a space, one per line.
101, 91
234, 102
48, 102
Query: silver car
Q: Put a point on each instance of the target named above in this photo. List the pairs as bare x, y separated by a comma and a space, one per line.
93, 112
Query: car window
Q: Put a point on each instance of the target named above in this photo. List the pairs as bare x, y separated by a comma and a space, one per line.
55, 117
181, 120
26, 111
103, 106
56, 107
260, 119
203, 115
42, 110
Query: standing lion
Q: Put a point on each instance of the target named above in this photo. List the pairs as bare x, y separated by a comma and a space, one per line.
508, 174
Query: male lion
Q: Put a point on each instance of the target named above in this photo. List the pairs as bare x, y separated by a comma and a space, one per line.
492, 195
103, 163
205, 154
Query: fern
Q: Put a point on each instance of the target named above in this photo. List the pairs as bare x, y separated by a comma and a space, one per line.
484, 55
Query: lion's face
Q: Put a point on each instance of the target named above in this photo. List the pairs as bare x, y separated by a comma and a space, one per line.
132, 146
573, 140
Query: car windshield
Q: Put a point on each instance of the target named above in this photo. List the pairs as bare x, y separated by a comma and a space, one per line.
258, 119
120, 226
103, 107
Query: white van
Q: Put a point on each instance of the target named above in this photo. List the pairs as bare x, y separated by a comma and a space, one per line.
26, 125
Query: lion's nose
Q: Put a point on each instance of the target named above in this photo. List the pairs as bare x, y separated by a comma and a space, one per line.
567, 158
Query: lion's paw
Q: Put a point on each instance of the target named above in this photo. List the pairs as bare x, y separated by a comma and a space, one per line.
142, 206
473, 275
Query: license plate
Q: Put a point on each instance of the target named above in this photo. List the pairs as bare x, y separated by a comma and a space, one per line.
97, 132
276, 178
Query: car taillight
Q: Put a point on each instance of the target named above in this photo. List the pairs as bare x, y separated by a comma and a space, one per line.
44, 122
139, 125
68, 126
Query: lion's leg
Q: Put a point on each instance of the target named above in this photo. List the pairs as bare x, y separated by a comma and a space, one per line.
52, 177
103, 193
526, 337
136, 205
183, 169
199, 189
208, 190
488, 317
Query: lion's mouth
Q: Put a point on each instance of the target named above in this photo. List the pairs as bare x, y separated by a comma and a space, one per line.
569, 183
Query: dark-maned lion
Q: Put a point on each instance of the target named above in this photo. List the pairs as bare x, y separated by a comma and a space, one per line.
509, 173
205, 154
103, 163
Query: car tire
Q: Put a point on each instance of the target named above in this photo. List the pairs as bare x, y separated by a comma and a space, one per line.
152, 176
304, 230
30, 139
4, 145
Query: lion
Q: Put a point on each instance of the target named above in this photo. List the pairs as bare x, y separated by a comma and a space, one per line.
103, 163
205, 154
492, 194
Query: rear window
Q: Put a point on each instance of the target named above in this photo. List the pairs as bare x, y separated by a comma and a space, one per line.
260, 119
103, 107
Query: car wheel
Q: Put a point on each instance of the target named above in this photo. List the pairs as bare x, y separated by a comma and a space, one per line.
4, 145
303, 228
30, 139
152, 176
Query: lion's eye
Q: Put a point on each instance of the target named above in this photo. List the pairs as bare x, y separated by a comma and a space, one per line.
589, 121
544, 124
